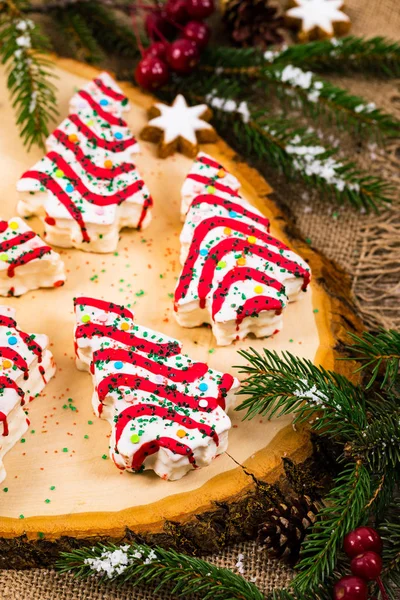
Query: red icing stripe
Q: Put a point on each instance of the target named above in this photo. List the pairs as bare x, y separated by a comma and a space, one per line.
146, 205
231, 206
87, 164
168, 414
17, 240
3, 226
108, 91
136, 382
106, 306
114, 146
224, 386
26, 338
3, 419
51, 185
163, 442
229, 245
102, 113
89, 330
8, 383
16, 358
92, 197
242, 274
27, 257
207, 160
189, 375
208, 181
253, 306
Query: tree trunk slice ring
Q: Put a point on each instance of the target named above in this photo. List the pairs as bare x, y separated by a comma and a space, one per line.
207, 509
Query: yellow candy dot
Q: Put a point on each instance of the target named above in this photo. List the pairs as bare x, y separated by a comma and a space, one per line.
135, 438
227, 231
241, 261
85, 319
124, 326
90, 123
251, 239
73, 138
108, 164
221, 264
7, 364
210, 189
181, 433
4, 257
59, 173
221, 173
258, 289
13, 225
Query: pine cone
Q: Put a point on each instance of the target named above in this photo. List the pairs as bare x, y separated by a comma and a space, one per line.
285, 527
253, 23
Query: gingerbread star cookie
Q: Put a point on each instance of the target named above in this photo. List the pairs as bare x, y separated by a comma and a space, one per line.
317, 19
179, 127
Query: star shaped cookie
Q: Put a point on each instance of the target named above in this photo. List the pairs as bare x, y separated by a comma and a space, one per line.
317, 19
179, 127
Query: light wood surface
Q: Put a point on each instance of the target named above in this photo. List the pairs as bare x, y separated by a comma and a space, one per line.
66, 447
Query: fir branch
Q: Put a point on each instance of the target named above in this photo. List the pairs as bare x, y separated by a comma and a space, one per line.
320, 98
379, 443
378, 353
78, 34
280, 385
29, 73
345, 510
378, 56
390, 533
140, 564
110, 34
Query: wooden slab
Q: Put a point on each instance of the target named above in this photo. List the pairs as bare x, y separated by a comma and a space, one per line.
62, 489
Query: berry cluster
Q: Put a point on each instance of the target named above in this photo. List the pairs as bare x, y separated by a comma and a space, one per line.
182, 18
363, 546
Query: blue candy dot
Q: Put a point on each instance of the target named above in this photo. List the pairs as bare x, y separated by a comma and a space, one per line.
12, 340
232, 214
203, 252
103, 102
69, 188
118, 364
203, 387
118, 135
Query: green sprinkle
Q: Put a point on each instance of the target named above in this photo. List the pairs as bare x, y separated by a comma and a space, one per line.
211, 350
5, 490
308, 240
116, 254
23, 440
90, 422
86, 437
52, 487
170, 295
65, 449
316, 310
33, 431
139, 293
40, 534
47, 501
291, 341
104, 457
21, 517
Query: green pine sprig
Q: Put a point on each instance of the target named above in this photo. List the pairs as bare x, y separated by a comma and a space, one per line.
378, 353
390, 533
183, 575
78, 34
30, 74
345, 511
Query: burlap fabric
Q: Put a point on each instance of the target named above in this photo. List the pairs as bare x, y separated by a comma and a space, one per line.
367, 246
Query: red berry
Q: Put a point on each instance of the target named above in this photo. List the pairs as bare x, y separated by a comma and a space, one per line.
198, 32
360, 540
151, 73
350, 588
183, 55
367, 565
156, 23
176, 11
158, 49
200, 9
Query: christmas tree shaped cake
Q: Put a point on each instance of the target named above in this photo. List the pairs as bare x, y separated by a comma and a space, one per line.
26, 262
26, 365
86, 188
235, 276
167, 412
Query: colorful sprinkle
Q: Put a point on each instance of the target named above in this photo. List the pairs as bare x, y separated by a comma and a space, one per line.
12, 340
69, 188
233, 214
85, 319
59, 173
13, 225
203, 387
227, 230
203, 403
251, 239
73, 138
103, 102
210, 189
6, 364
108, 164
221, 173
124, 326
181, 433
241, 261
258, 289
135, 438
203, 252
118, 135
221, 264
4, 257
119, 364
